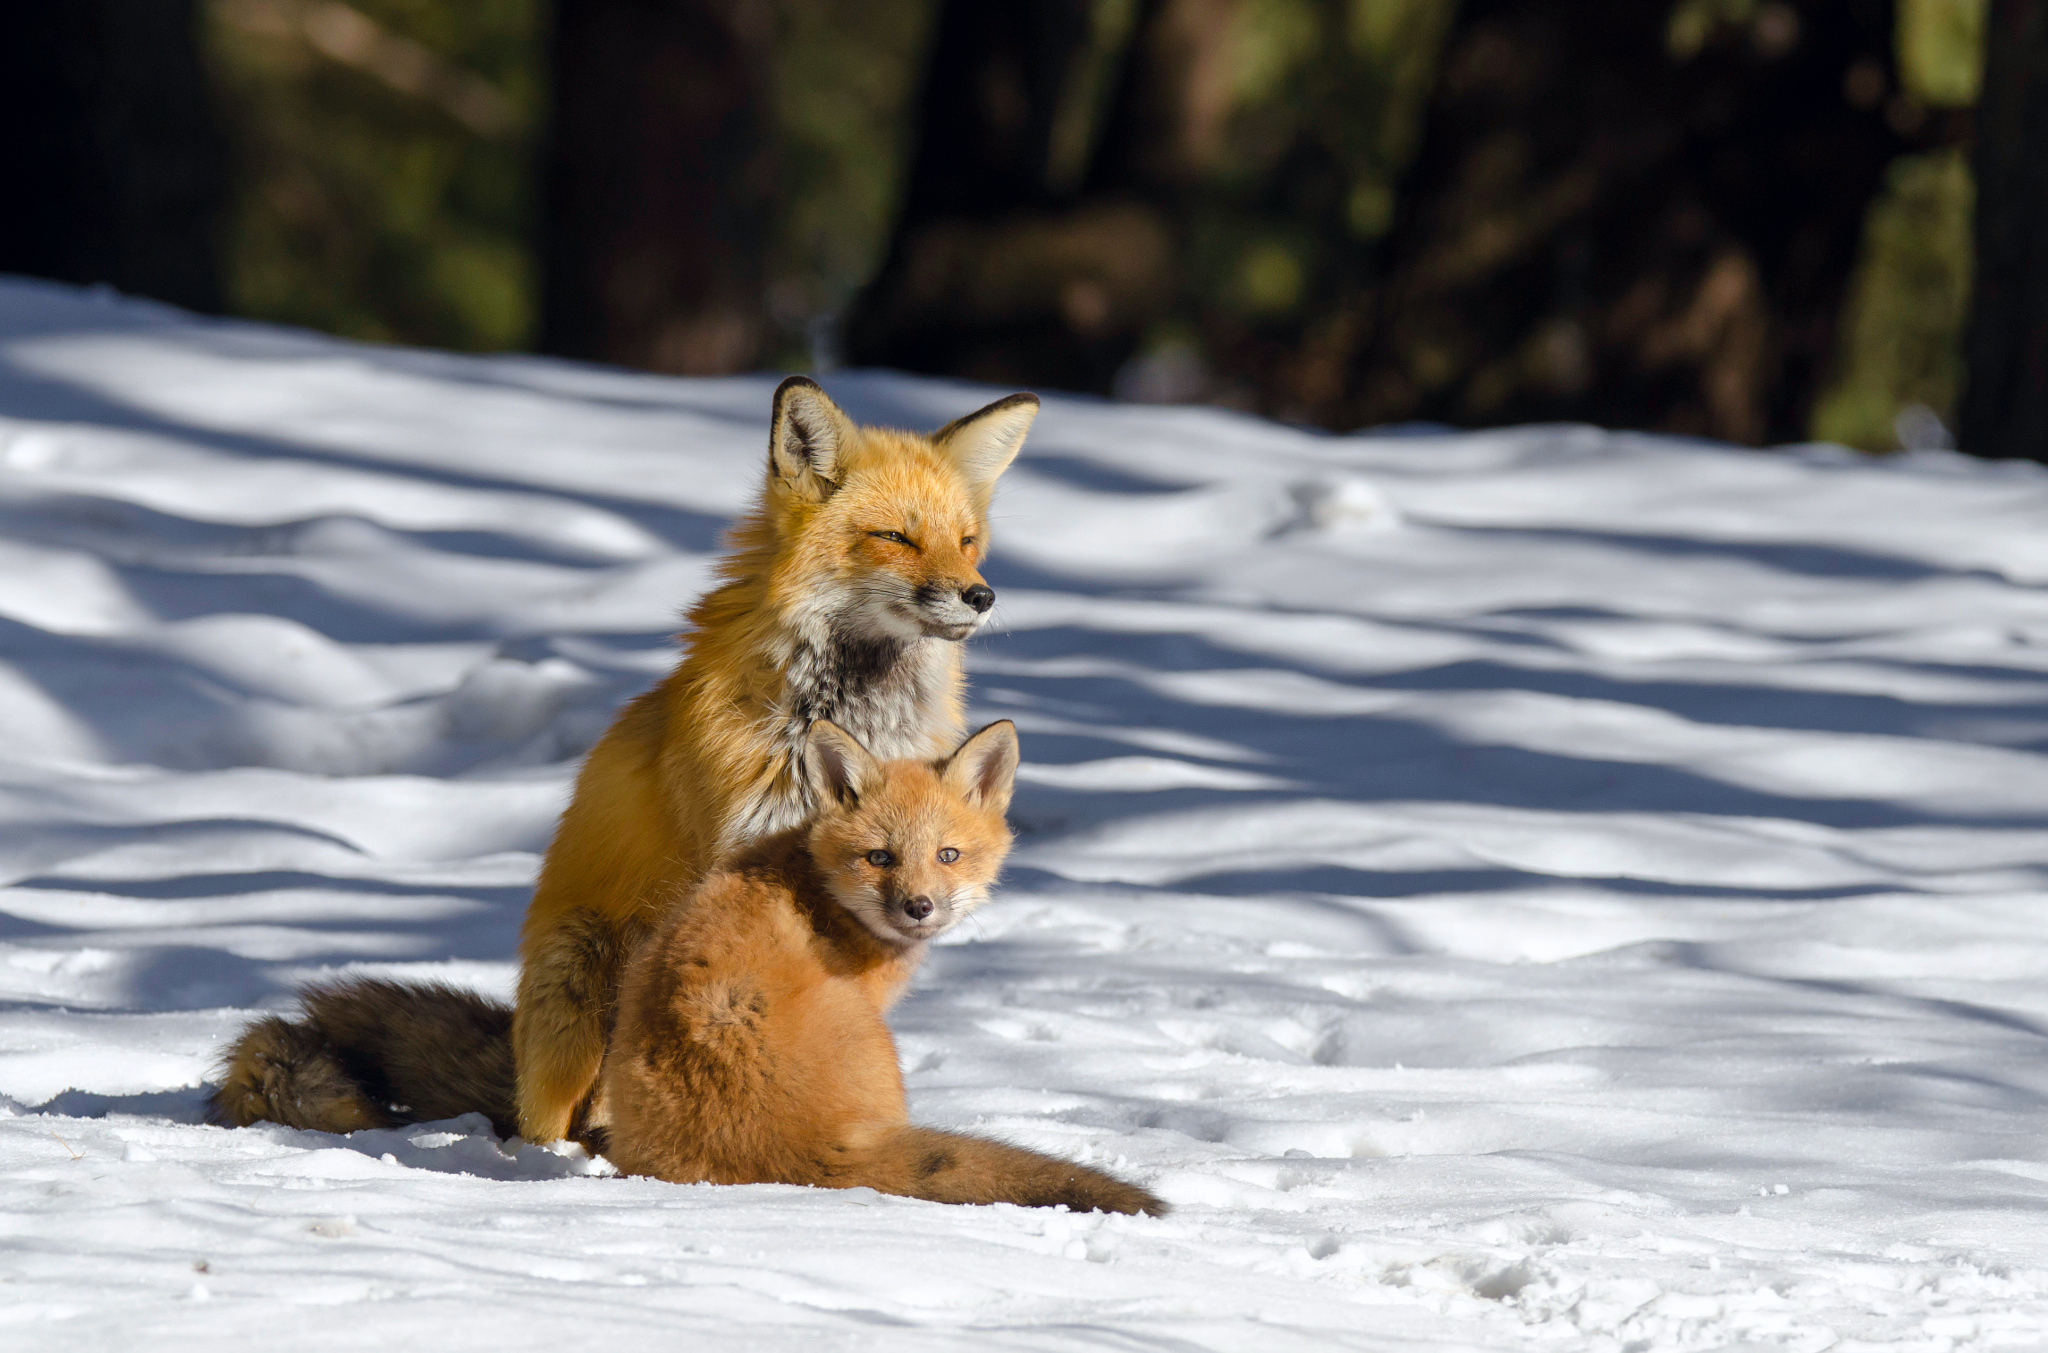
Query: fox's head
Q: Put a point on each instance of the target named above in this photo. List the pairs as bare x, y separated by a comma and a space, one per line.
881, 533
910, 847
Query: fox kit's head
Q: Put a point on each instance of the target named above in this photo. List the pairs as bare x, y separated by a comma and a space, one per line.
910, 847
882, 533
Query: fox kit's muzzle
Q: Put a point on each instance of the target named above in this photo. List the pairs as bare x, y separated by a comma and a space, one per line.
919, 915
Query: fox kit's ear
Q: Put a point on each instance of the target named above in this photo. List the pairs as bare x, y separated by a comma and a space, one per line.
985, 768
985, 442
807, 435
840, 768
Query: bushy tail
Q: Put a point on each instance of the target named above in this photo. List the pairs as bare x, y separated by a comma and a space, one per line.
368, 1053
949, 1167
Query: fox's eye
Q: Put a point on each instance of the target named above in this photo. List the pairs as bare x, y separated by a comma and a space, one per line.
948, 855
894, 538
967, 542
881, 859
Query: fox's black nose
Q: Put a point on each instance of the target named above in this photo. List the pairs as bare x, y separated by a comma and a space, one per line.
917, 908
980, 596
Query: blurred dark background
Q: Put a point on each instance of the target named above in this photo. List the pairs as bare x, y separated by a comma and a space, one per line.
1759, 220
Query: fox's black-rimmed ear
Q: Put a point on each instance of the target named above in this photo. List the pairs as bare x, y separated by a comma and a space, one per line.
841, 770
984, 770
985, 442
807, 435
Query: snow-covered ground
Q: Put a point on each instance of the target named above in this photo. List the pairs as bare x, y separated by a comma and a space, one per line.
1529, 890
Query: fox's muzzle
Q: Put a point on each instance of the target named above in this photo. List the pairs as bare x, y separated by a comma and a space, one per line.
917, 916
952, 611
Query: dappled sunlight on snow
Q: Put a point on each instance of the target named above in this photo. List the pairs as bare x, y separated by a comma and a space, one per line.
1535, 888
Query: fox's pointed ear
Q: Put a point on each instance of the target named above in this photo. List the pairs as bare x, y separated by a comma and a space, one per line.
984, 770
840, 768
985, 442
807, 437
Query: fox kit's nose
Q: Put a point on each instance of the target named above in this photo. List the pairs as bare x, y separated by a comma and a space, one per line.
917, 908
980, 596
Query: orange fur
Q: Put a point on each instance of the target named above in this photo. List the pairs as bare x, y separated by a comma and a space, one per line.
821, 615
751, 1044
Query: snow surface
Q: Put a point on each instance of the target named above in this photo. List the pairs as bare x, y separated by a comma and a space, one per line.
1531, 890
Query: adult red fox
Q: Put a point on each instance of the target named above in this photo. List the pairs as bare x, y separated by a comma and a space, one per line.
846, 594
751, 1045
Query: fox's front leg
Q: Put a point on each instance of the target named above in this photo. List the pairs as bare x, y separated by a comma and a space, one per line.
567, 985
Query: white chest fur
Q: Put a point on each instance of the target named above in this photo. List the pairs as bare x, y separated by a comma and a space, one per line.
889, 693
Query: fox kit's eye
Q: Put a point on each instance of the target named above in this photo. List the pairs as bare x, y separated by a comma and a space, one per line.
894, 538
948, 855
967, 542
881, 859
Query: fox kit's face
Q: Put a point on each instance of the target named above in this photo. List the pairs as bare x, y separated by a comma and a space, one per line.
910, 848
888, 529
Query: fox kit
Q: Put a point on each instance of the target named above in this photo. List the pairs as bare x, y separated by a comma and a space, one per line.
846, 595
750, 1045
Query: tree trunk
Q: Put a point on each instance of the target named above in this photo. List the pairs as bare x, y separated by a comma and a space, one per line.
1002, 266
660, 184
2005, 402
114, 166
1633, 214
